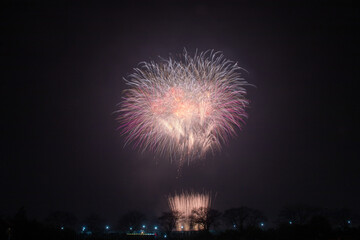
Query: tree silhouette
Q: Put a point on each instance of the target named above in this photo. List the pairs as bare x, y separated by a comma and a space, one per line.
343, 218
255, 218
298, 214
244, 217
237, 217
204, 217
132, 219
168, 220
61, 219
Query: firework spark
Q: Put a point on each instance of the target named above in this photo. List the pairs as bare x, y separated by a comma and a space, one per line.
184, 108
185, 203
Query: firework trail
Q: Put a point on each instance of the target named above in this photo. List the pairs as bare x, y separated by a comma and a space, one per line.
185, 203
183, 108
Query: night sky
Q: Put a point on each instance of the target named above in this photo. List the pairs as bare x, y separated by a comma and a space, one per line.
62, 66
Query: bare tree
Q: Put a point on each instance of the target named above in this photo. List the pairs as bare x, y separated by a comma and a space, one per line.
237, 217
298, 214
132, 219
61, 219
255, 218
168, 220
343, 218
244, 217
205, 217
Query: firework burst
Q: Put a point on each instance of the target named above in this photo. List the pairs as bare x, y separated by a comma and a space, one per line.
184, 204
183, 108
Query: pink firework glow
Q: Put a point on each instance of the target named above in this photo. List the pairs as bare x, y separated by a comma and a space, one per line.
184, 204
184, 108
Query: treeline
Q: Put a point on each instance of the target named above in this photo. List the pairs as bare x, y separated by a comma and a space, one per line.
293, 222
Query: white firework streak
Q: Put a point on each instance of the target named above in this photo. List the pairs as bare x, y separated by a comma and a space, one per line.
184, 108
185, 203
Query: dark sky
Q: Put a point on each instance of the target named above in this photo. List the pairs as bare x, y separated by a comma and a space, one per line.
62, 66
